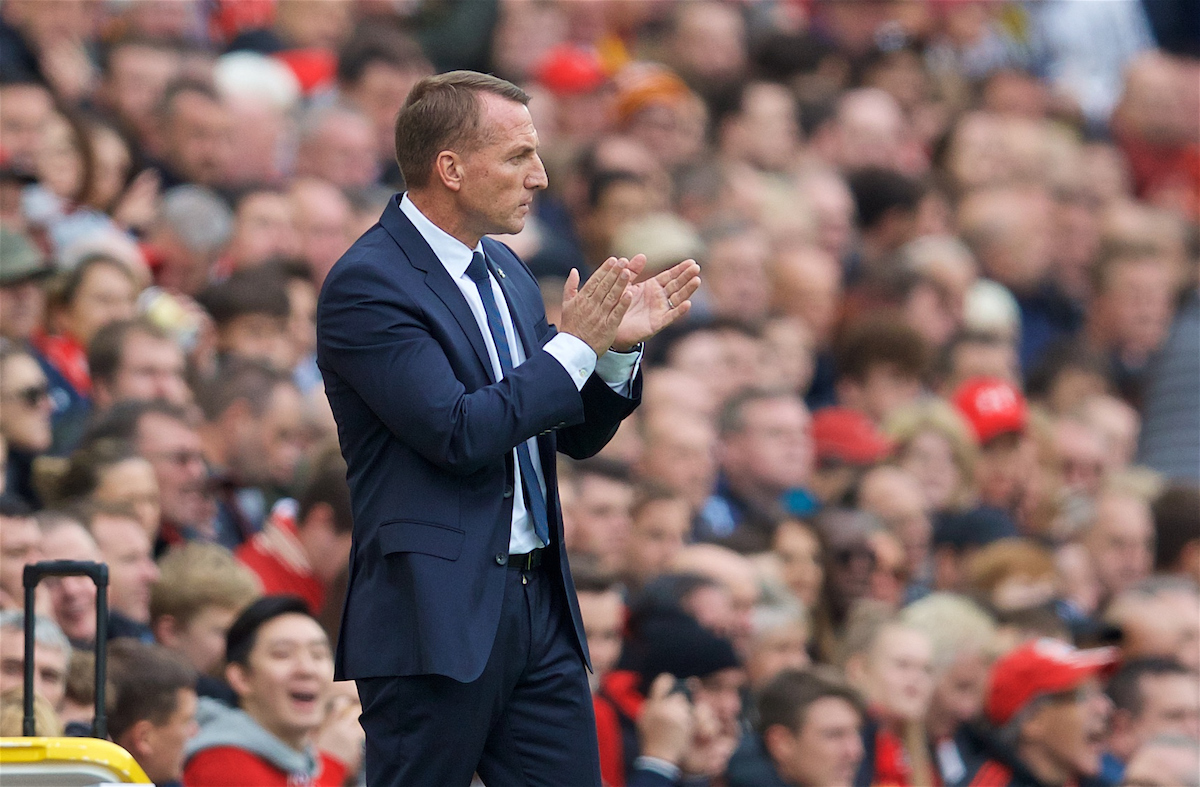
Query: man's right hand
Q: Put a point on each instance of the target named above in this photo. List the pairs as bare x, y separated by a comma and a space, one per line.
665, 724
594, 311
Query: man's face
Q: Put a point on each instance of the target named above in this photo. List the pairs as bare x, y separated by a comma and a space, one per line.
138, 78
283, 434
736, 272
25, 406
202, 639
20, 545
132, 571
722, 692
1138, 304
151, 368
603, 618
323, 217
73, 599
1069, 730
258, 337
21, 308
827, 749
501, 176
49, 674
1166, 625
780, 648
1003, 470
175, 450
900, 673
602, 518
897, 499
1121, 541
198, 138
380, 93
163, 762
288, 676
886, 388
774, 447
263, 229
24, 112
659, 530
1170, 706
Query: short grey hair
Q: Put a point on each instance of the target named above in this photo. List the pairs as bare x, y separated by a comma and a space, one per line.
198, 217
45, 631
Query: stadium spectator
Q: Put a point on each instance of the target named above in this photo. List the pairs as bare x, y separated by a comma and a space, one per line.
201, 589
305, 543
25, 421
1049, 712
1151, 697
136, 361
127, 549
51, 656
281, 668
153, 711
20, 545
766, 453
808, 733
73, 599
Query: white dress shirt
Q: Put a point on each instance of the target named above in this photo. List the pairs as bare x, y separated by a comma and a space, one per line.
616, 369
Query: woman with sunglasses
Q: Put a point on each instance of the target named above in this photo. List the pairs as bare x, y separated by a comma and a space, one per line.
25, 411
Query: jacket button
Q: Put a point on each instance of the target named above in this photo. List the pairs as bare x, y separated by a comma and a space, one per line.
502, 559
508, 491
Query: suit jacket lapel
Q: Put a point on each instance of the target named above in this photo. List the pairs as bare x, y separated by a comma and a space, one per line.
436, 278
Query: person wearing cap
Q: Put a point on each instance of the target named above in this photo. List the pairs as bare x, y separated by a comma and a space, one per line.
847, 444
667, 651
23, 268
998, 415
1048, 714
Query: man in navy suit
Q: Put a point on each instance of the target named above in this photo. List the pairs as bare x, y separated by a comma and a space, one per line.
452, 395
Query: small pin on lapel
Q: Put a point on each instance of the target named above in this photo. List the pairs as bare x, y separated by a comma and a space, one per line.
500, 271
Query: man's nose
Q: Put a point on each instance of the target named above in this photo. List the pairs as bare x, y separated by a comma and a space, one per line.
538, 178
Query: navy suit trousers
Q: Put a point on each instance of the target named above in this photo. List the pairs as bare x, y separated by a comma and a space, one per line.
526, 721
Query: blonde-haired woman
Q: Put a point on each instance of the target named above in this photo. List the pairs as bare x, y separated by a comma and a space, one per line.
934, 443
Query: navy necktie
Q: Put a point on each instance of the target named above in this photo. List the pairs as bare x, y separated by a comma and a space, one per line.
536, 501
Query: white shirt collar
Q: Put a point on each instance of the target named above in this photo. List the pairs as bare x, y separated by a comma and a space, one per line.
450, 251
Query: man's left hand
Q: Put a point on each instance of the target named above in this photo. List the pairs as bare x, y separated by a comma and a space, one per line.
657, 302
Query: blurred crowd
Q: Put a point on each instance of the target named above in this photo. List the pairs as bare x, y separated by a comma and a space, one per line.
912, 496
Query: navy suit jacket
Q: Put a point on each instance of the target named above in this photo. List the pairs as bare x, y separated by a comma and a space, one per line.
427, 433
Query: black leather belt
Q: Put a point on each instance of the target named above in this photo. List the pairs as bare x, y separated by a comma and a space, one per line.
527, 561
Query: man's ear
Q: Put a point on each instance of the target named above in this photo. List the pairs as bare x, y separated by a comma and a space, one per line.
138, 740
448, 169
166, 631
236, 677
780, 743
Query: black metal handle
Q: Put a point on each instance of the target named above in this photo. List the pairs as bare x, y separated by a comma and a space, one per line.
31, 577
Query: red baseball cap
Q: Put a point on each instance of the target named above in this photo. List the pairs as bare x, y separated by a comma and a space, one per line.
992, 406
567, 69
1039, 667
848, 436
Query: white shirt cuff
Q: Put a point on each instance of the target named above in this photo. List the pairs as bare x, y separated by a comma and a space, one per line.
575, 356
618, 369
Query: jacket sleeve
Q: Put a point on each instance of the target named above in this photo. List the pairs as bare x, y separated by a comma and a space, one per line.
379, 342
